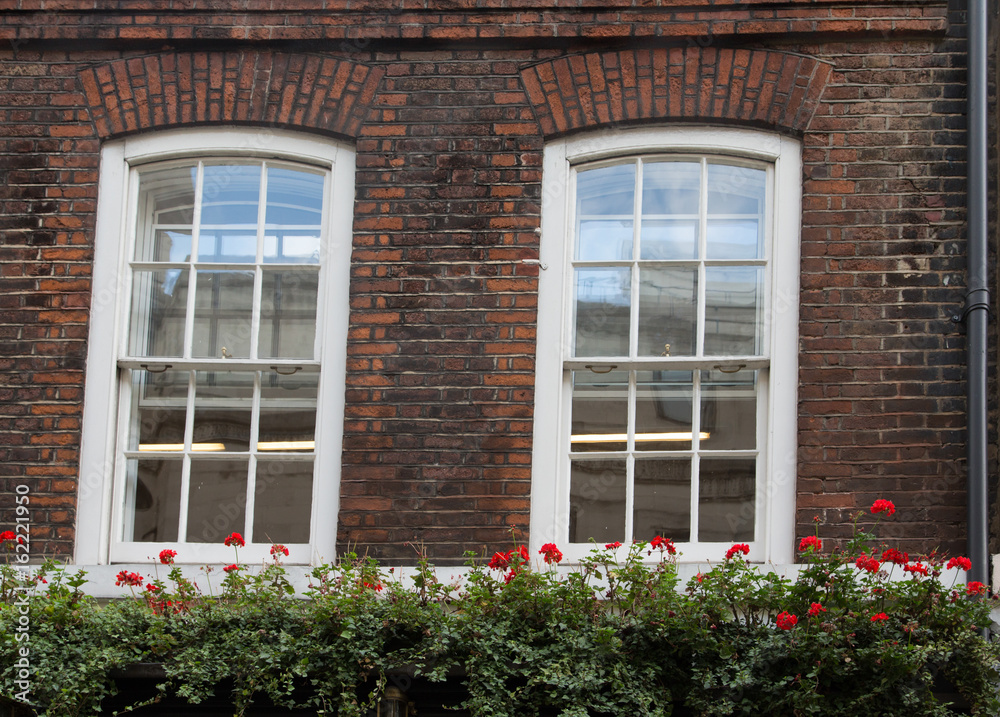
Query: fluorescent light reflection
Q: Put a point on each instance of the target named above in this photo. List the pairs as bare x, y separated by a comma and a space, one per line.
203, 447
286, 445
619, 437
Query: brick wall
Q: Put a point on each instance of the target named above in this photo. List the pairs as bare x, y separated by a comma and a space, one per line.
449, 130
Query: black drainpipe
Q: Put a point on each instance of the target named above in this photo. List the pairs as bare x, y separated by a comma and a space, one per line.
977, 300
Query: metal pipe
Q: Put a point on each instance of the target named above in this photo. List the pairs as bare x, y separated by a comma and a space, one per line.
977, 300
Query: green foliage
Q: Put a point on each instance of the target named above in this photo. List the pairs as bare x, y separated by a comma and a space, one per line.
612, 636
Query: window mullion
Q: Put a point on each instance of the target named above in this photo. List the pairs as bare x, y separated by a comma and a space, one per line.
186, 469
192, 263
258, 282
634, 293
702, 253
258, 389
696, 452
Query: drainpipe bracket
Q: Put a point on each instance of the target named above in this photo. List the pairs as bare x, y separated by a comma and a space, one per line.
975, 300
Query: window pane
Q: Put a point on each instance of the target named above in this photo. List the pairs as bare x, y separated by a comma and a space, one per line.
293, 215
159, 403
166, 197
729, 410
230, 195
670, 207
605, 207
600, 411
222, 314
217, 500
597, 501
288, 412
663, 410
733, 310
736, 198
662, 499
154, 499
602, 311
288, 313
234, 246
222, 409
283, 500
159, 305
726, 499
668, 311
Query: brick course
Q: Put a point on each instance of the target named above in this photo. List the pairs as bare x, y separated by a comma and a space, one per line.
449, 105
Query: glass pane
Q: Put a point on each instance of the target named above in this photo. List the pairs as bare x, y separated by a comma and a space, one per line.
217, 500
283, 502
736, 198
288, 313
154, 499
159, 304
597, 501
670, 193
600, 411
288, 412
726, 499
293, 216
230, 195
729, 410
733, 297
222, 314
602, 311
605, 205
166, 204
159, 403
222, 408
662, 504
235, 246
668, 311
663, 410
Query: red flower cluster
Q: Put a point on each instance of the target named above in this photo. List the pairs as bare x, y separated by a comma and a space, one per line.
883, 506
881, 617
234, 539
960, 562
895, 556
276, 549
975, 588
661, 544
502, 561
9, 535
868, 563
916, 569
127, 578
152, 588
612, 546
551, 553
786, 621
167, 556
810, 541
815, 609
231, 568
737, 549
377, 587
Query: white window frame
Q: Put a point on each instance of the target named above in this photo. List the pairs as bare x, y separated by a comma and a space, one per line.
550, 486
100, 489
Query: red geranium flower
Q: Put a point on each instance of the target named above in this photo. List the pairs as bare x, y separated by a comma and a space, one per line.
167, 556
895, 556
883, 506
509, 576
275, 549
152, 588
662, 544
7, 535
975, 588
127, 578
523, 552
786, 621
960, 562
810, 541
231, 568
881, 617
377, 587
612, 546
234, 539
815, 609
738, 548
916, 569
551, 553
867, 563
500, 561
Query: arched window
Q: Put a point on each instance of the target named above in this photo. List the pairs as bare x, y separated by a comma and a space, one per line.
667, 341
216, 360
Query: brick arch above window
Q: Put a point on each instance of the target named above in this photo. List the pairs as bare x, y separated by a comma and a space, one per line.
279, 90
776, 89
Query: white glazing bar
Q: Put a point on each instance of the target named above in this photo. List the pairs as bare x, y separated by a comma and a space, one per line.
699, 349
192, 274
186, 470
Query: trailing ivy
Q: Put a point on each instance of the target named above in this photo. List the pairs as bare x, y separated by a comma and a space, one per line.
866, 631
